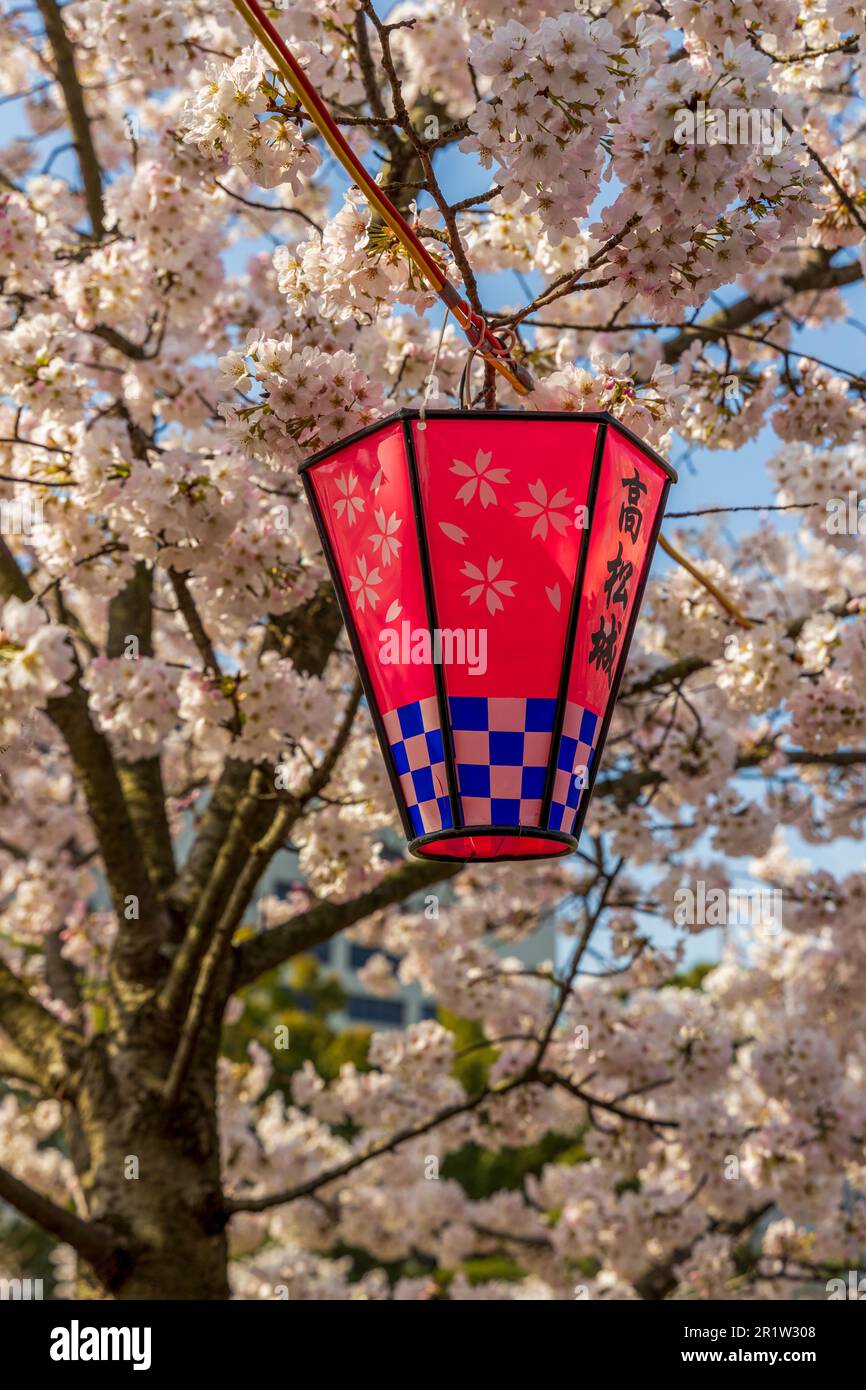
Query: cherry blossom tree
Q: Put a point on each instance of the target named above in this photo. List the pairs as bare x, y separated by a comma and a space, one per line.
192, 302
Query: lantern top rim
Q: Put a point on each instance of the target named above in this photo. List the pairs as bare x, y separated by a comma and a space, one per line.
597, 417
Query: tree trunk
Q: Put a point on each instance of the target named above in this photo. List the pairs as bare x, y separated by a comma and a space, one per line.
152, 1177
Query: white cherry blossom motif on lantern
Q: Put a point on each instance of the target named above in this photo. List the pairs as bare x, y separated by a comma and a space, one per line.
546, 513
554, 595
454, 533
489, 584
380, 480
480, 478
350, 502
363, 585
385, 540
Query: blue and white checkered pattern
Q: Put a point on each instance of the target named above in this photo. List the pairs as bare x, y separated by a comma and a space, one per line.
501, 750
574, 761
501, 747
415, 738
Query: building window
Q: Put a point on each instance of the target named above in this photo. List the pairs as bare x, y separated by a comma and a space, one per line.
430, 1009
322, 951
364, 1009
359, 955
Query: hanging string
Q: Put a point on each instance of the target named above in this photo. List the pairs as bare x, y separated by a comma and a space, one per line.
422, 413
465, 388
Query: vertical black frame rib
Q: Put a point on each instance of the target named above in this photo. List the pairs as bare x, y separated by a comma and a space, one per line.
586, 793
372, 703
432, 623
571, 630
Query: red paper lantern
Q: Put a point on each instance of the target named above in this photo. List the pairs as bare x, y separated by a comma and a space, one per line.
490, 567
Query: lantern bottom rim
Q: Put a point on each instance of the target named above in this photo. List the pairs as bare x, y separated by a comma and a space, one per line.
478, 844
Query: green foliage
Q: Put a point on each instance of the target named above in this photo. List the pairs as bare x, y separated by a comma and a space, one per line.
292, 1005
473, 1054
691, 979
627, 1185
481, 1172
486, 1267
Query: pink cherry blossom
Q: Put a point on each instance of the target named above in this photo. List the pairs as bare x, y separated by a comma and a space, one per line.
385, 541
546, 512
488, 584
363, 584
481, 479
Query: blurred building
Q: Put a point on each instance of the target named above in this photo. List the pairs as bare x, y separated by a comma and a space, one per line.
344, 958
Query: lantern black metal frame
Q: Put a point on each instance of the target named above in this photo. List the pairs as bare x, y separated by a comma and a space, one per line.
568, 840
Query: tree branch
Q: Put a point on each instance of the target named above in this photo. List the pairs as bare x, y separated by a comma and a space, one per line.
660, 1280
196, 628
342, 1170
213, 828
326, 919
64, 62
97, 1244
368, 71
137, 352
567, 284
307, 635
677, 671
52, 1051
130, 615
409, 1132
135, 949
842, 193
269, 207
203, 989
816, 274
549, 1078
261, 854
17, 1066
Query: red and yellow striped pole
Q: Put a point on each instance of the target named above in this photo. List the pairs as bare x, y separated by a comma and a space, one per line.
482, 338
